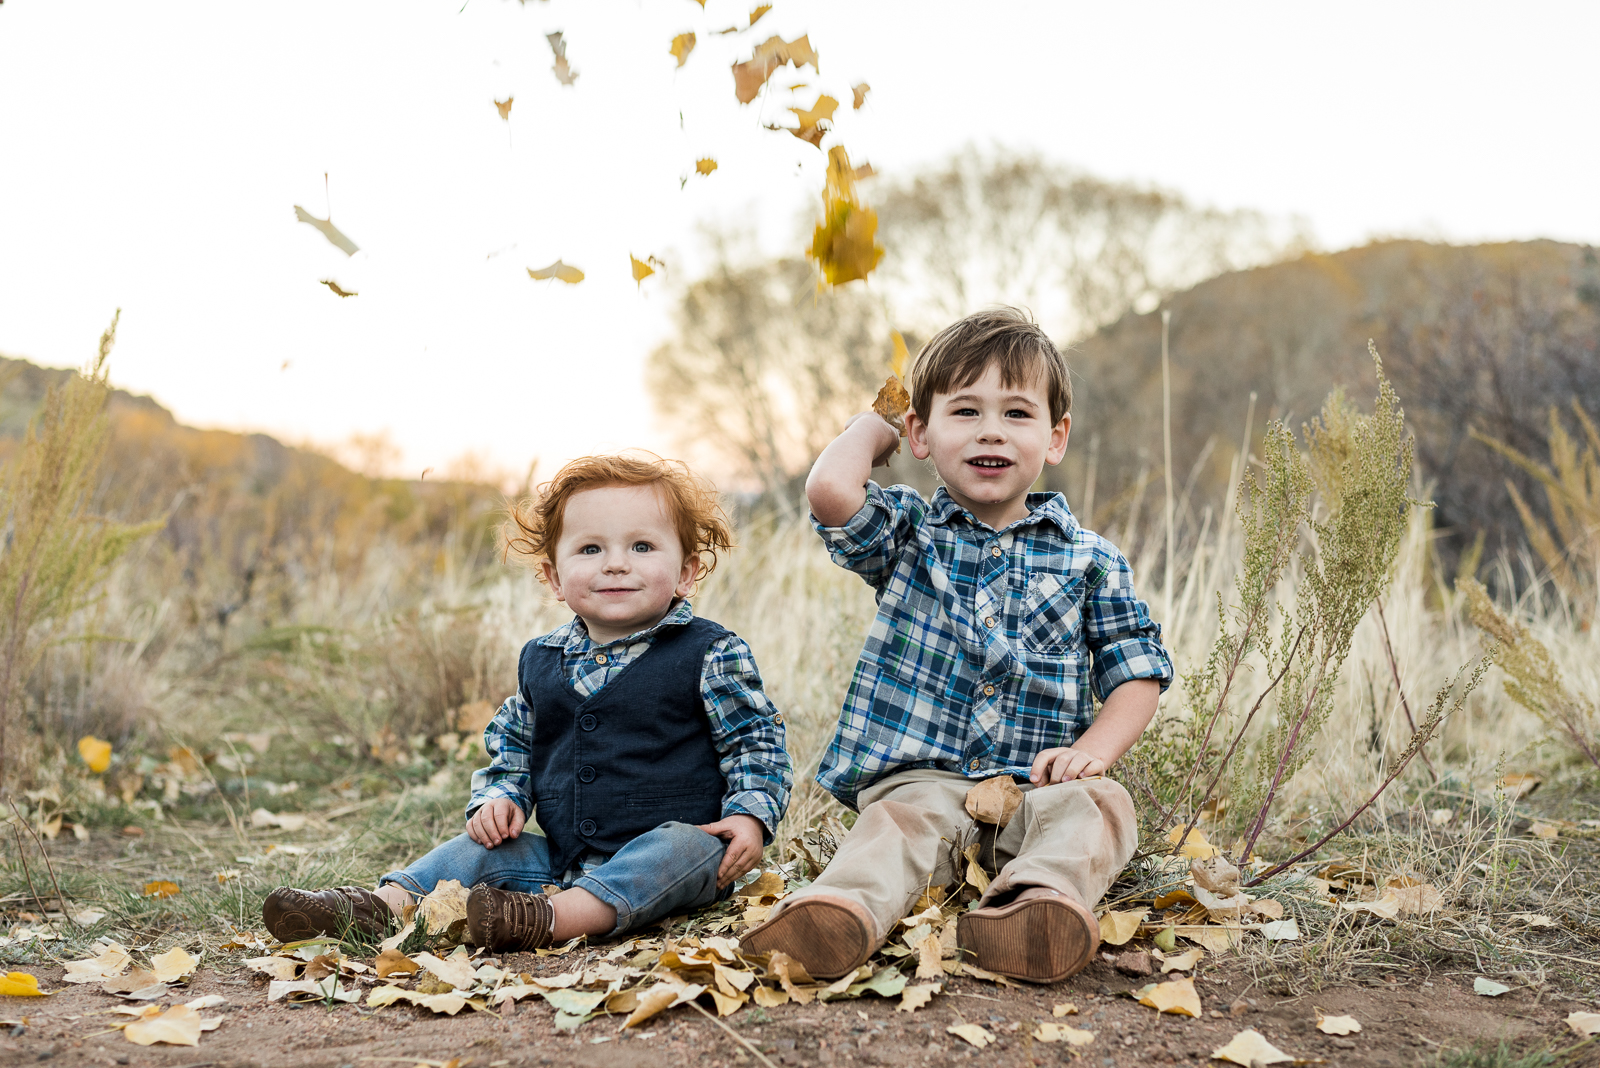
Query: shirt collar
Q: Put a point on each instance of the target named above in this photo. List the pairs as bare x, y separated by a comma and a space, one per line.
1042, 507
573, 637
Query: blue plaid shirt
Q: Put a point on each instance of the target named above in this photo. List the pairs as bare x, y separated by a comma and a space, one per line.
745, 727
989, 646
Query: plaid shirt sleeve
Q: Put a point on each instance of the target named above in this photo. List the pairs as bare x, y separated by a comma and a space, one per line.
748, 734
870, 543
1124, 641
509, 738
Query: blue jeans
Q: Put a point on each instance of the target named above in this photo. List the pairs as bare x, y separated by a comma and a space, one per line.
669, 870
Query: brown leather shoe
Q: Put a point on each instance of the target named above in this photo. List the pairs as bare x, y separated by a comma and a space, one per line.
508, 919
292, 914
830, 935
1040, 940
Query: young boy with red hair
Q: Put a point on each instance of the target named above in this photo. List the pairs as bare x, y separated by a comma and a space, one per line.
1000, 621
639, 737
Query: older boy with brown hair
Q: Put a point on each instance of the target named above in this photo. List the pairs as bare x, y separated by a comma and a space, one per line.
1000, 620
639, 737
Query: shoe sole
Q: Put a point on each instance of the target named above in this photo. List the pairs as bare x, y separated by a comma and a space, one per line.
827, 939
1041, 940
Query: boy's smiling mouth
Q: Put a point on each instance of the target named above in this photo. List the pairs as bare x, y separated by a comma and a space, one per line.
992, 463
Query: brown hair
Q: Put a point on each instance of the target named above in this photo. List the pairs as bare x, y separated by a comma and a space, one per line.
958, 355
533, 526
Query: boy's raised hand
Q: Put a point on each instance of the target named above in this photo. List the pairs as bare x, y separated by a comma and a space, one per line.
1059, 765
495, 821
743, 835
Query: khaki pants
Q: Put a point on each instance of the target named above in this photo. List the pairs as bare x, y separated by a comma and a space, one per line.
1073, 837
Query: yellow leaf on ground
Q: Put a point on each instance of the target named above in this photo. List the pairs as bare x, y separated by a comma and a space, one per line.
976, 877
1250, 1049
111, 962
283, 968
393, 962
1194, 845
651, 1002
972, 1033
173, 965
1267, 908
769, 998
1117, 928
1176, 996
1584, 1023
457, 971
1175, 897
1054, 1032
95, 753
1281, 930
162, 888
1213, 938
1533, 919
767, 884
928, 957
913, 998
21, 985
1217, 876
178, 1026
1417, 898
1066, 1008
446, 902
504, 108
558, 270
682, 45
860, 90
1181, 962
993, 800
1489, 988
1387, 907
1541, 829
727, 1004
1337, 1025
1520, 784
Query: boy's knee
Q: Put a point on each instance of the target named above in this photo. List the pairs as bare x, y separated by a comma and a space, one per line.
911, 820
689, 840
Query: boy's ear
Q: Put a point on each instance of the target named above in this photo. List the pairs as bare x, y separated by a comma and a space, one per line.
1058, 440
687, 577
552, 578
917, 434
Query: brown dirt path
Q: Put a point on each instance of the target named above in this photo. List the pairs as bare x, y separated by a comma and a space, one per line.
1404, 1023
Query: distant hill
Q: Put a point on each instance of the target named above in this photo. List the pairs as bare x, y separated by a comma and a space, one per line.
1488, 336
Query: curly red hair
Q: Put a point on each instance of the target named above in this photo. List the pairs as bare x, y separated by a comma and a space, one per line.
534, 524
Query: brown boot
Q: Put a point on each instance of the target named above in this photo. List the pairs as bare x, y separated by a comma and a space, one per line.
1040, 939
292, 914
830, 936
507, 919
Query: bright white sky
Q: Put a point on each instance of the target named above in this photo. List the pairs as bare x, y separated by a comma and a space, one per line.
151, 154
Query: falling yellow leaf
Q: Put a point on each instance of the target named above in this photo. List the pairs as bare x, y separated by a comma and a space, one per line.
565, 272
1337, 1025
1194, 844
1116, 928
21, 985
913, 998
1584, 1023
993, 800
810, 129
769, 55
178, 1026
1054, 1032
644, 268
972, 1033
705, 165
95, 753
162, 888
558, 45
682, 45
173, 965
1175, 996
504, 108
1066, 1008
334, 235
901, 356
860, 90
1251, 1050
844, 243
756, 12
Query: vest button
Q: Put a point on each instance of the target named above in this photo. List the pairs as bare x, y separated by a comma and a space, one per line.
586, 774
587, 828
588, 723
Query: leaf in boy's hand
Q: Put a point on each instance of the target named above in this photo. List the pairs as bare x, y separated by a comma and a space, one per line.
993, 800
334, 235
892, 403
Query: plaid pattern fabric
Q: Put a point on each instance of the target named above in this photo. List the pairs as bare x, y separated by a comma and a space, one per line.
989, 646
745, 727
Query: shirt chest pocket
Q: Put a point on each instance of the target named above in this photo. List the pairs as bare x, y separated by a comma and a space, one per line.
1050, 616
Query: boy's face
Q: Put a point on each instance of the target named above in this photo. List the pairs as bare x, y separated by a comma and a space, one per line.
619, 564
989, 443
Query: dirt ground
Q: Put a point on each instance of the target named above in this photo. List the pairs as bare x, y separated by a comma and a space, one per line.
1410, 1020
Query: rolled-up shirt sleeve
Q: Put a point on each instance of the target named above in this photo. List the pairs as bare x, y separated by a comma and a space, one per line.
1123, 640
508, 738
869, 543
748, 734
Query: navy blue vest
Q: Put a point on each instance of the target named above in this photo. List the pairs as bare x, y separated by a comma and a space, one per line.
608, 768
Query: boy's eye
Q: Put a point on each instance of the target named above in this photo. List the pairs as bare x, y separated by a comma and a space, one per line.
965, 411
589, 550
642, 547
1019, 413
